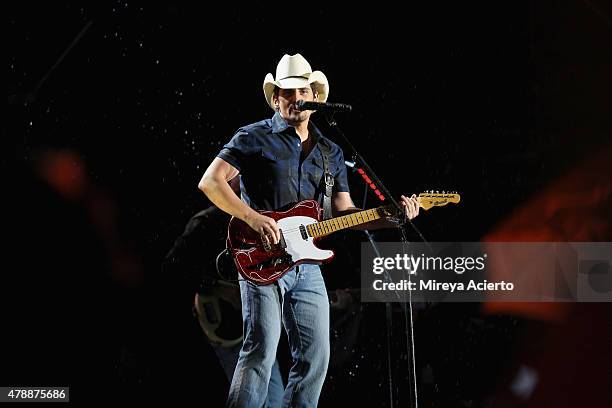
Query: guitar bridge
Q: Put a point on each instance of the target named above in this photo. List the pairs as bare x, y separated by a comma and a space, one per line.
265, 242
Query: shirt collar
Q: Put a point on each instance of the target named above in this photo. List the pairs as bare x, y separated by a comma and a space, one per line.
280, 125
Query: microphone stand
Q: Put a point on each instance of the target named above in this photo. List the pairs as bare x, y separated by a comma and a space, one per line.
329, 116
388, 310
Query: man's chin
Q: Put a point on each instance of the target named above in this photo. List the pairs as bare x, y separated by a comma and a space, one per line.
296, 117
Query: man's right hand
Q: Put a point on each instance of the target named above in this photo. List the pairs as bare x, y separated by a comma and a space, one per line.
265, 226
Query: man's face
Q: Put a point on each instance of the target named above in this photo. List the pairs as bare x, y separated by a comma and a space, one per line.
286, 102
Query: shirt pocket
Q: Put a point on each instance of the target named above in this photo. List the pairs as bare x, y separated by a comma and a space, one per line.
275, 168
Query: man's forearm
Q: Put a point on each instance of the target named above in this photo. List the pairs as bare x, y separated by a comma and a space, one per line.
221, 194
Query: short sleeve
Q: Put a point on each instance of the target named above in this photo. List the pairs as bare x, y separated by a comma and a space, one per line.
237, 151
340, 178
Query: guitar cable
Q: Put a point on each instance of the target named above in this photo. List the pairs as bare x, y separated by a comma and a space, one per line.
225, 252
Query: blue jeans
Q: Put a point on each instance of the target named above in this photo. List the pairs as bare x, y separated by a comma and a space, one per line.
298, 301
228, 357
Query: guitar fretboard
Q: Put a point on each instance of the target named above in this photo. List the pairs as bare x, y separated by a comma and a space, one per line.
346, 221
425, 200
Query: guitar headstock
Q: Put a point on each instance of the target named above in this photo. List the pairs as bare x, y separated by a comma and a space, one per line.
432, 198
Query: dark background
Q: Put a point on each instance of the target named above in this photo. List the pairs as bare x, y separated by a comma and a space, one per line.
493, 101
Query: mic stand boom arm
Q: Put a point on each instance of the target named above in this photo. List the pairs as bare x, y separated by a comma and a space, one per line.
329, 116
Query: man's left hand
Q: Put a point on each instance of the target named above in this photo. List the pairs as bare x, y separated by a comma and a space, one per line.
411, 206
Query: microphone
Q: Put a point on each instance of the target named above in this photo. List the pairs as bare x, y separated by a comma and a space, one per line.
323, 106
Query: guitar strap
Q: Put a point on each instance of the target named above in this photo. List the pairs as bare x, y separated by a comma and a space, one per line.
328, 179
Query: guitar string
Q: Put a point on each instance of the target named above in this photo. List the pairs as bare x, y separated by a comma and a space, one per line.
320, 222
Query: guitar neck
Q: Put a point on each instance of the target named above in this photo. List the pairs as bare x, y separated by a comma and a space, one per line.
426, 201
332, 225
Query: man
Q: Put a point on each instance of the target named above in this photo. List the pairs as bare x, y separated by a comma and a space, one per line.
281, 162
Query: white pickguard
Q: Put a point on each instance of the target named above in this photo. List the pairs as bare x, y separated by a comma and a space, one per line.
298, 247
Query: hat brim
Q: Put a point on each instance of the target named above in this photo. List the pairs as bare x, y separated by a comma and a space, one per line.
316, 78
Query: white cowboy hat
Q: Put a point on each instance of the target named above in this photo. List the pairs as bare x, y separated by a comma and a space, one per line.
292, 72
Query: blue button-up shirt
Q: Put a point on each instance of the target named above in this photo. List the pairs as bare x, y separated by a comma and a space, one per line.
274, 175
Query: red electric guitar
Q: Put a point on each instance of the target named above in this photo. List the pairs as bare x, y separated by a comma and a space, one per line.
261, 262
